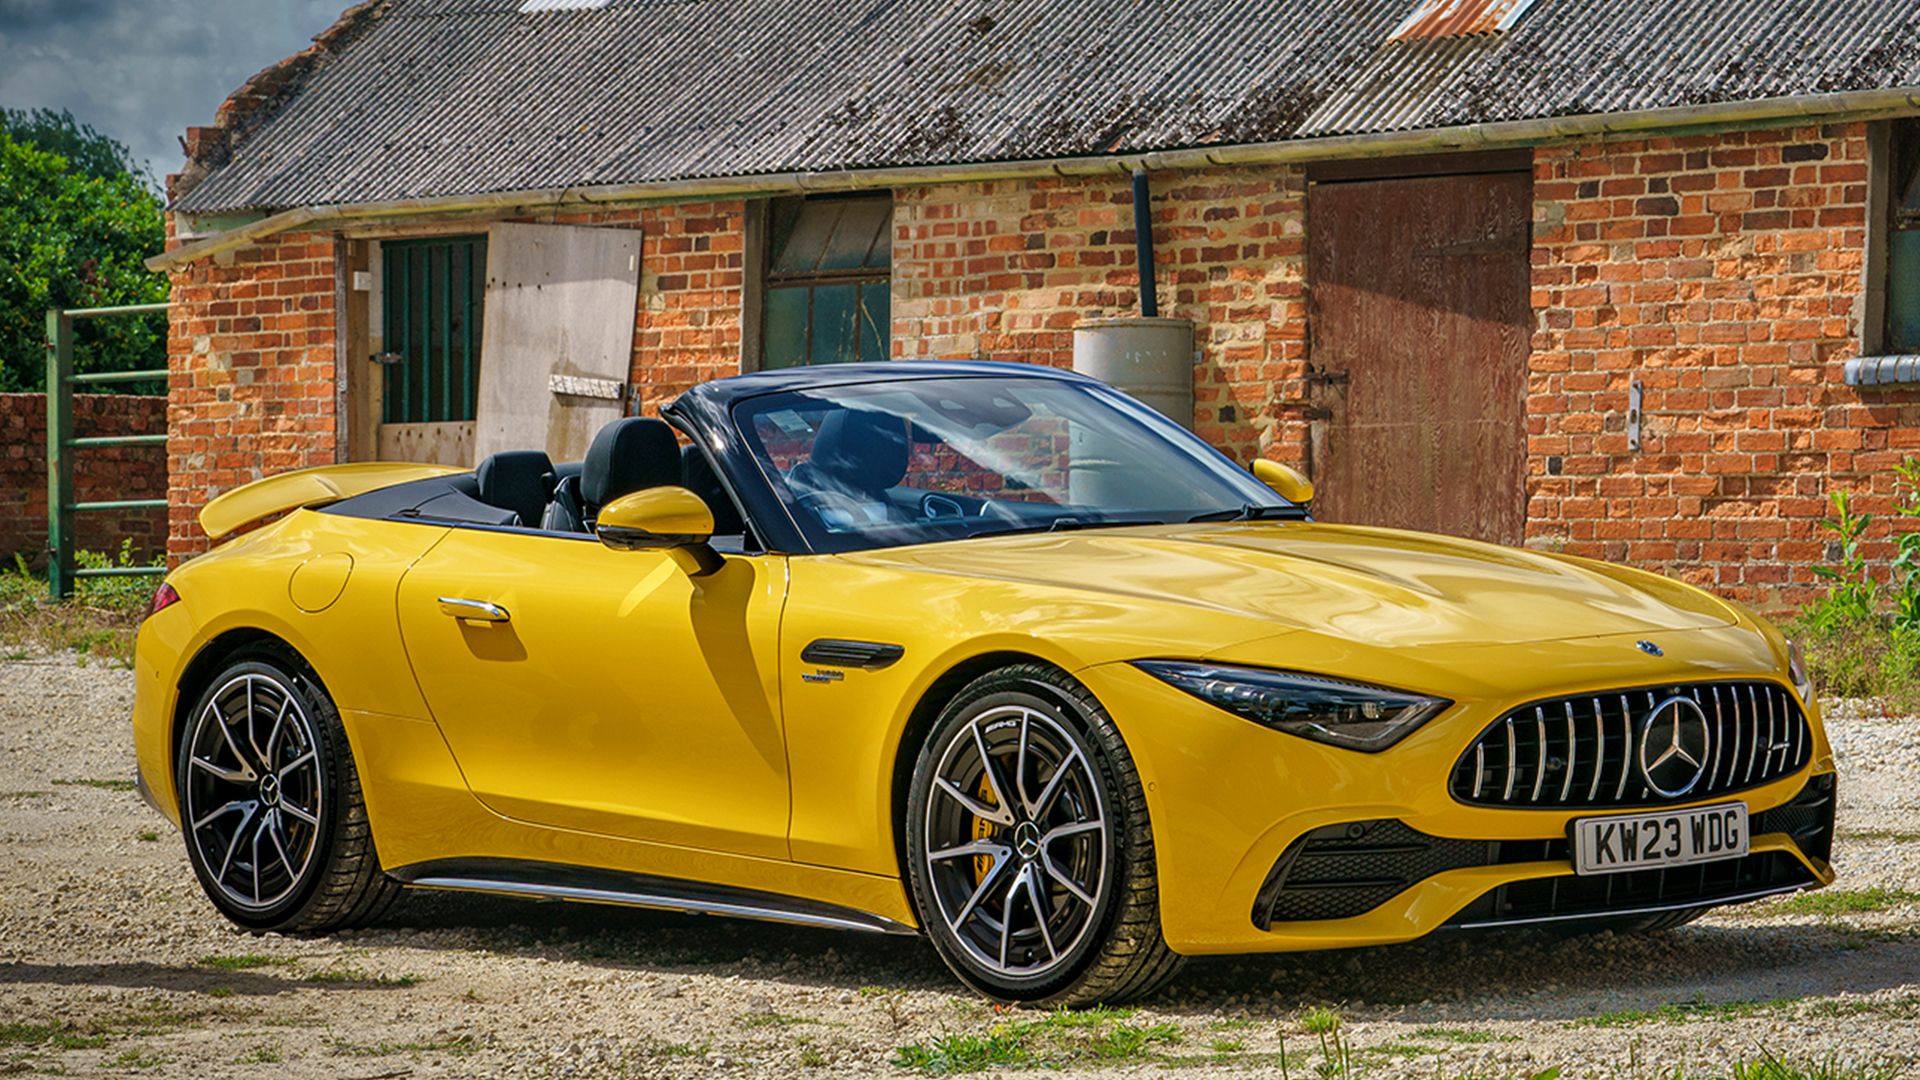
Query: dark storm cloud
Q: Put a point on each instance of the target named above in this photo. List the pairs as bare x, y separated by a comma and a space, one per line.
143, 71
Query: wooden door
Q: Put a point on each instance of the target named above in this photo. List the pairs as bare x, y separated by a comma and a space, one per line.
1419, 320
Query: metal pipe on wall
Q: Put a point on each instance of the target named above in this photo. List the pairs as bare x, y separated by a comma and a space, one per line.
1143, 244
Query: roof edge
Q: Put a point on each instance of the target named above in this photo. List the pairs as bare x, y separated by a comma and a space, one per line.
1502, 134
248, 108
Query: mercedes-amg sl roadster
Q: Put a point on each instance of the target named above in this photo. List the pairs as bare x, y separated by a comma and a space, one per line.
988, 652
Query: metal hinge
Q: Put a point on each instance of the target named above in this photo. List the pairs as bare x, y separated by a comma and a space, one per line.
1323, 377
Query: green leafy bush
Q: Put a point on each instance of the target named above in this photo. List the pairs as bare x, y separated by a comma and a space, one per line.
1862, 638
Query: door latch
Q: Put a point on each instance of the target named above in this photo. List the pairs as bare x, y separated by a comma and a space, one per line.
1324, 377
387, 359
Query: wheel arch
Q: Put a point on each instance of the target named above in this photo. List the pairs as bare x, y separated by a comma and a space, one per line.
921, 718
207, 661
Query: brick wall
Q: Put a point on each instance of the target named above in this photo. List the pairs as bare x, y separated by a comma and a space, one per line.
1003, 270
1723, 272
99, 473
250, 349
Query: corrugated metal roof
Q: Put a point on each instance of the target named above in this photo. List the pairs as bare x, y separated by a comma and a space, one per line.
461, 97
1459, 18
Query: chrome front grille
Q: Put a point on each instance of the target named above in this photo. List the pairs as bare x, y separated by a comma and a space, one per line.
1584, 750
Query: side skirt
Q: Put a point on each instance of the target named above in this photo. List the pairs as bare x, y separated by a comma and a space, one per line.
585, 884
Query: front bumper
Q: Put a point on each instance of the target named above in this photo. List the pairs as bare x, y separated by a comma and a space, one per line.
1229, 799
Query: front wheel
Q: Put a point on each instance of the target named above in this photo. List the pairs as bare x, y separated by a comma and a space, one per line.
270, 802
1030, 854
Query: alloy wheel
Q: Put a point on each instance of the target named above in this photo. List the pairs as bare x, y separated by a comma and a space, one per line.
1016, 841
253, 791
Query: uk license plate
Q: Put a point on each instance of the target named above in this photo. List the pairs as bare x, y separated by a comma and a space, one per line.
1609, 845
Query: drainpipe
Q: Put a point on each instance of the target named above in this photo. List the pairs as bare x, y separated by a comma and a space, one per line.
1143, 244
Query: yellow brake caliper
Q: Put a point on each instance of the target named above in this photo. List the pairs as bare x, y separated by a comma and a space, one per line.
982, 830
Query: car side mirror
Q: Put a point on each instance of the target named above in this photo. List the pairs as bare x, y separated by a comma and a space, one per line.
660, 517
1291, 483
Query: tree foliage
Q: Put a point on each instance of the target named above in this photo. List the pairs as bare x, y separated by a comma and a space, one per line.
73, 233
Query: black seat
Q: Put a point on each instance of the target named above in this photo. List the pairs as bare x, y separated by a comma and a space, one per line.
697, 476
628, 455
858, 453
518, 480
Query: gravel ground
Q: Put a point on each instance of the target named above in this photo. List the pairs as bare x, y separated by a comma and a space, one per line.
112, 962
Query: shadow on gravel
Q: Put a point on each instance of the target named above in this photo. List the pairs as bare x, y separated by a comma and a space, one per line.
146, 976
1524, 975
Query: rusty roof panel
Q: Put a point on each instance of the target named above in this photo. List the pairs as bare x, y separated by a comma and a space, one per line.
463, 97
1460, 18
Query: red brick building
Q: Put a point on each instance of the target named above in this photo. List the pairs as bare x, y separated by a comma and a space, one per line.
1627, 279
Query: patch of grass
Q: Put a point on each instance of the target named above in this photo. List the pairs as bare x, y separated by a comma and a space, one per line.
264, 1054
1226, 1046
98, 622
60, 1037
1898, 836
1683, 1011
147, 836
1466, 1036
812, 1058
136, 1058
1320, 1021
964, 1053
1060, 1039
242, 961
1772, 1067
103, 785
1845, 901
1402, 1050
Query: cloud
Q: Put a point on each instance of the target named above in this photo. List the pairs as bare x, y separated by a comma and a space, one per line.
143, 71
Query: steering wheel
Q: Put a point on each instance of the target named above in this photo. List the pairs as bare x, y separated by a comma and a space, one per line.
819, 500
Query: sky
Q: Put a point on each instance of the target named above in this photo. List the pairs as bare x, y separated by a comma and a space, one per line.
143, 71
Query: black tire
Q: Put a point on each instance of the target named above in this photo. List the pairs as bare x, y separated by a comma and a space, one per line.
282, 841
1073, 953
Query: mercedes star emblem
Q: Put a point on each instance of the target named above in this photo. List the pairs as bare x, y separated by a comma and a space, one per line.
1675, 741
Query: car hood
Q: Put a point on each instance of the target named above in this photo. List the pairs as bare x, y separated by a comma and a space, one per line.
1378, 586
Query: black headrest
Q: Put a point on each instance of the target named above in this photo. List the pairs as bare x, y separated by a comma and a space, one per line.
517, 480
861, 450
698, 477
631, 454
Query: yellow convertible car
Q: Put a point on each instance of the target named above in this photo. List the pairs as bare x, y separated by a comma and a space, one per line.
987, 652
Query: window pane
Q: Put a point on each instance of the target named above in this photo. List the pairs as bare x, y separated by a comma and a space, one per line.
876, 325
834, 327
1903, 291
784, 331
861, 221
800, 250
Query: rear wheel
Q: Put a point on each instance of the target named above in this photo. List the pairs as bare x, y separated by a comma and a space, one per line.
1030, 853
270, 802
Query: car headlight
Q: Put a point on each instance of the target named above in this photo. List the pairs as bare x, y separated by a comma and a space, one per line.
1797, 671
1332, 711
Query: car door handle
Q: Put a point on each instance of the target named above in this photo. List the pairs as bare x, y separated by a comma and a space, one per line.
474, 610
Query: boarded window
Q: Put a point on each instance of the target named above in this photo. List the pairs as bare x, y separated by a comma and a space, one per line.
826, 288
1903, 239
432, 295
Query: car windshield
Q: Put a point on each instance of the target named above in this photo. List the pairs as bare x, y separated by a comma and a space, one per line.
884, 464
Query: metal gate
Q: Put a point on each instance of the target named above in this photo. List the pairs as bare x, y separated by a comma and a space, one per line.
61, 443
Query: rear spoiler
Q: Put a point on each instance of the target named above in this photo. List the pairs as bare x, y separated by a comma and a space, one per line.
262, 499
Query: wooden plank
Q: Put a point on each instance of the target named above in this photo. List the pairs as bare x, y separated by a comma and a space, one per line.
1420, 322
560, 300
429, 444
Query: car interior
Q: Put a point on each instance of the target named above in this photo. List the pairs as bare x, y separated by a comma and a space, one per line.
524, 489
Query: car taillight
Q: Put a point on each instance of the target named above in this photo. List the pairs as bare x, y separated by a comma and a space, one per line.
163, 597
